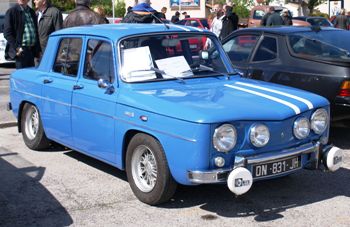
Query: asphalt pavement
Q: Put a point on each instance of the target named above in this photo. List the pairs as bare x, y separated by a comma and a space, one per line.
7, 119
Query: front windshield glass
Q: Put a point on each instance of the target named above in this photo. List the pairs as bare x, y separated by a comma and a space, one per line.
323, 45
170, 56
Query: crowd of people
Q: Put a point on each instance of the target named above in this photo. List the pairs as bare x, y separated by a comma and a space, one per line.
27, 31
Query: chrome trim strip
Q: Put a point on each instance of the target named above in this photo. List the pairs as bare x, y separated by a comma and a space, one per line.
113, 117
266, 157
307, 102
208, 177
155, 130
294, 107
92, 111
43, 98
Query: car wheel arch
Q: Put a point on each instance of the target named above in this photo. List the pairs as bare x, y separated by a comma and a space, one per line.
20, 110
127, 138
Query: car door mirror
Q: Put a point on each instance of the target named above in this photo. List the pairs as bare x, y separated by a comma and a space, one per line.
105, 84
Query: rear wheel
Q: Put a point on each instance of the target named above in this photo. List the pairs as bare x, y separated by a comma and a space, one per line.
32, 130
147, 170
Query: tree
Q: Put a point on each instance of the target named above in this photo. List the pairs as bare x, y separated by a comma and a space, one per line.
313, 4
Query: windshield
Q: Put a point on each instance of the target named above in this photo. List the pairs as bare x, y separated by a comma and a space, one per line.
323, 45
170, 56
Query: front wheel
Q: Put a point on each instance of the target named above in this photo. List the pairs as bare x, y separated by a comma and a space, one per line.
32, 130
147, 170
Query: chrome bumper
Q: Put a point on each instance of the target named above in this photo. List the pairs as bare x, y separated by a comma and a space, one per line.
220, 175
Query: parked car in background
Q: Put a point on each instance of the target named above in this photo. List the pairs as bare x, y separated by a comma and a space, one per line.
315, 21
313, 59
3, 41
177, 116
195, 22
257, 13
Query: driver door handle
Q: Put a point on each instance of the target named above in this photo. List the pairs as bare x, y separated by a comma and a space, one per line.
78, 87
47, 80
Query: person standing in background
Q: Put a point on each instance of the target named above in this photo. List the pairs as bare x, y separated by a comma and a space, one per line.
341, 21
287, 20
176, 17
140, 13
274, 19
21, 33
82, 15
100, 11
264, 18
162, 14
229, 22
49, 20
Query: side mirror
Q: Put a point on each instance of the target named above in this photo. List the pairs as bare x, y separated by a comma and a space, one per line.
105, 84
205, 55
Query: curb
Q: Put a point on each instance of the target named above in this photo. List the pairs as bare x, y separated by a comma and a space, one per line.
8, 124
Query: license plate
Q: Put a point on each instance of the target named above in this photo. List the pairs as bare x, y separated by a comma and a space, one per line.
276, 167
194, 46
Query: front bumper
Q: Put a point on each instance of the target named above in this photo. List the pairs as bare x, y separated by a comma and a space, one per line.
220, 175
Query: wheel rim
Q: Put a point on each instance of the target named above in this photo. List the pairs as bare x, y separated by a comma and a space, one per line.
32, 123
144, 168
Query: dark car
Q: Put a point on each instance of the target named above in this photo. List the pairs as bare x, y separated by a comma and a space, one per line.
315, 21
310, 58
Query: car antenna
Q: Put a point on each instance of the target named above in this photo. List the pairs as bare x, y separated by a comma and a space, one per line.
158, 19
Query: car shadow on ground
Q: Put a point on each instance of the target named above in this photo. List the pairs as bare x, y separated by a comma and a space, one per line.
23, 200
267, 199
340, 136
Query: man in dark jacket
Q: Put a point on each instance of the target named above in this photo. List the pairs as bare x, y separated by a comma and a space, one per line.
141, 13
274, 19
21, 33
265, 17
82, 15
229, 22
49, 20
176, 17
341, 21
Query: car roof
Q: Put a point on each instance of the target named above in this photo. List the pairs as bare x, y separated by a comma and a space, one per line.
284, 30
117, 31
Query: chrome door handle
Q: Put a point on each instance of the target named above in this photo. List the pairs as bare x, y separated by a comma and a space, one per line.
78, 87
47, 80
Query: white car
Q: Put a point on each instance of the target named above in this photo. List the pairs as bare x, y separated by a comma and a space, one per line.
2, 42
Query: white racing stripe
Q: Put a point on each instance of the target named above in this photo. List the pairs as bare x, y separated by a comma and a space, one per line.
294, 107
307, 102
177, 26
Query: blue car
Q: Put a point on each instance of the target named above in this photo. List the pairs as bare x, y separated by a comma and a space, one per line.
154, 101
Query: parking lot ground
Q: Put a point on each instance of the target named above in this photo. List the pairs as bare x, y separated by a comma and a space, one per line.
61, 187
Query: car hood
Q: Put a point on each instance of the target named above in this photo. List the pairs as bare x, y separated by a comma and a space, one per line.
210, 100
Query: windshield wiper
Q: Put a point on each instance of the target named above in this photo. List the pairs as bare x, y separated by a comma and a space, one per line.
203, 68
162, 72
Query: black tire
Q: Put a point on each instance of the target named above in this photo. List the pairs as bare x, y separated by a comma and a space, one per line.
32, 129
144, 147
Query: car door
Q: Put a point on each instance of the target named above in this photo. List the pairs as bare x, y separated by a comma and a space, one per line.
57, 90
264, 62
239, 48
93, 107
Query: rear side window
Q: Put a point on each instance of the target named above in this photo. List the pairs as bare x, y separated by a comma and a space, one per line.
267, 50
258, 14
239, 48
99, 61
68, 57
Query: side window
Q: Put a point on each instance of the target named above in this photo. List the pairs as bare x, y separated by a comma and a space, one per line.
239, 48
68, 57
99, 61
267, 50
258, 14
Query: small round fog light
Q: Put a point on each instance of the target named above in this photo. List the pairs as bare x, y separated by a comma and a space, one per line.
219, 161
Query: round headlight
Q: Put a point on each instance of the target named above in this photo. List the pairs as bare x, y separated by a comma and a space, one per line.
301, 128
319, 121
224, 138
259, 135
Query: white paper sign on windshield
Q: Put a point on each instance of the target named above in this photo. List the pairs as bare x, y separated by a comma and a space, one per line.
137, 63
174, 67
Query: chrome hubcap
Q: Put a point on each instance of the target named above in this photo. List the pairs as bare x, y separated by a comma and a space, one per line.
144, 168
32, 123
